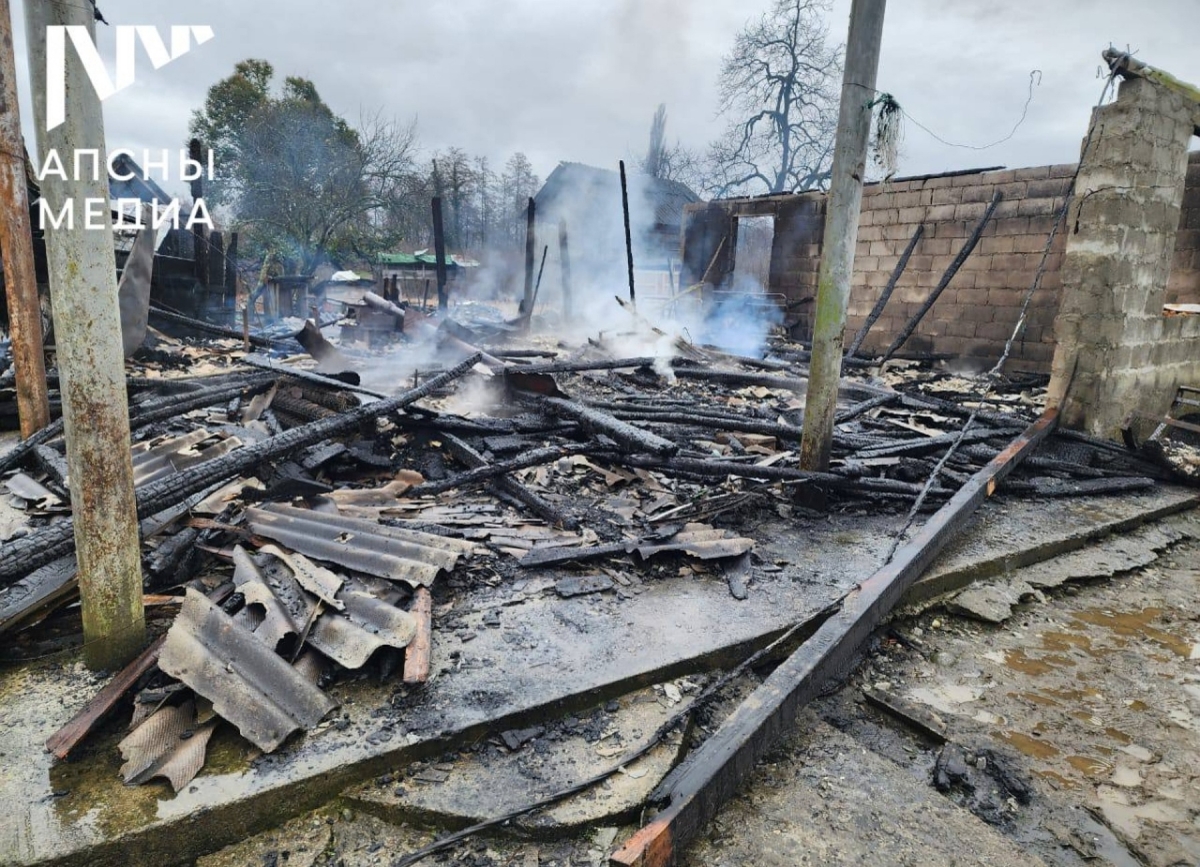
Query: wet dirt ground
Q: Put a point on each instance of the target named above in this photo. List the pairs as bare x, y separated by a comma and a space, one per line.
1064, 736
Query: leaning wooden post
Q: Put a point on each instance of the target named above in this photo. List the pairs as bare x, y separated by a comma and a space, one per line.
16, 246
91, 363
628, 234
439, 251
841, 230
530, 256
564, 258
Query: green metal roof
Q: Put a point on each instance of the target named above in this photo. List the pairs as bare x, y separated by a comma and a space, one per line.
423, 259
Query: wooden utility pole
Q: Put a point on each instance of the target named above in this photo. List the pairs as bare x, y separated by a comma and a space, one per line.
91, 363
841, 230
16, 246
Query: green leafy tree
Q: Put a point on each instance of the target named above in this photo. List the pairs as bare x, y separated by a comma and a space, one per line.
297, 178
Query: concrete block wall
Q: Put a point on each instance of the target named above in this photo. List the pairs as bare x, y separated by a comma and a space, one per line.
1116, 351
975, 315
978, 311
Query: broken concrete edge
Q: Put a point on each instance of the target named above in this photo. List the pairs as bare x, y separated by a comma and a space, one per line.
936, 589
536, 822
181, 840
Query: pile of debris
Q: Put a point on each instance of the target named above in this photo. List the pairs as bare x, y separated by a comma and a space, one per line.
294, 522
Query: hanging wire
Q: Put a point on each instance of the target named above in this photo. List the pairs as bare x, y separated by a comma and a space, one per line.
986, 383
1035, 79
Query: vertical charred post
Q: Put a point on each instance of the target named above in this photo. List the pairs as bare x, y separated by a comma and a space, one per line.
628, 233
439, 250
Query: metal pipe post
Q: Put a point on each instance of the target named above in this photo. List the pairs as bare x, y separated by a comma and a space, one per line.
16, 246
841, 230
91, 363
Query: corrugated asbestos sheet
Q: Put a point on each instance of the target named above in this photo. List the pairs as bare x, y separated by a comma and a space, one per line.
370, 620
161, 458
248, 683
386, 552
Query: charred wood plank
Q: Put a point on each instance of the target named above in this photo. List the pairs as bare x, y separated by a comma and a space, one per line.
853, 412
963, 255
487, 473
29, 552
633, 438
81, 725
886, 295
309, 376
693, 792
463, 452
216, 330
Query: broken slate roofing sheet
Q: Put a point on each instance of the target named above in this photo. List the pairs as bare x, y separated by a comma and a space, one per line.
397, 554
248, 683
369, 619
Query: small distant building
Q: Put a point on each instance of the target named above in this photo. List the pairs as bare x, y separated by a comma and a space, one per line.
409, 273
588, 200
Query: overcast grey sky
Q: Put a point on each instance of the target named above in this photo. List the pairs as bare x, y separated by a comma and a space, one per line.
580, 79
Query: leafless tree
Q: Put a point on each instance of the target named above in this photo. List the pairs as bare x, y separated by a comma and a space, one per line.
671, 163
779, 87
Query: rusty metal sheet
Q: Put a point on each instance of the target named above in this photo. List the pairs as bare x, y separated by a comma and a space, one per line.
247, 682
364, 546
170, 743
367, 623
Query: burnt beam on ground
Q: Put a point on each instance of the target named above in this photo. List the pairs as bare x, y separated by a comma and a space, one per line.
693, 792
39, 548
631, 437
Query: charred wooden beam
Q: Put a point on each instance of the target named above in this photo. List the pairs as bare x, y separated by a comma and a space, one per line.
628, 232
694, 791
886, 295
481, 475
579, 366
29, 552
853, 412
933, 444
963, 254
1083, 488
309, 376
633, 438
725, 469
463, 452
216, 330
742, 378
